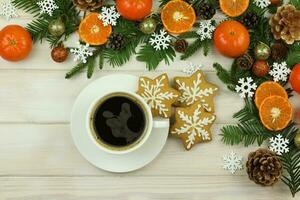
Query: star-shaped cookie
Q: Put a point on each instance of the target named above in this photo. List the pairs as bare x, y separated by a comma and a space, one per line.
195, 88
158, 94
192, 125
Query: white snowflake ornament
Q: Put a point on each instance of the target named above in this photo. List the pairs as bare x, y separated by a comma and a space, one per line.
158, 95
194, 89
109, 16
279, 145
246, 87
160, 41
232, 162
192, 68
81, 53
206, 29
280, 71
8, 10
47, 6
262, 3
192, 125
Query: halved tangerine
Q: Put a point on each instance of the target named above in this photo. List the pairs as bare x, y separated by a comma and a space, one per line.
92, 30
267, 89
178, 16
234, 8
275, 113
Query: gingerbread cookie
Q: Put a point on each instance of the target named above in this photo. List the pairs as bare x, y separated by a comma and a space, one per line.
194, 89
158, 94
192, 125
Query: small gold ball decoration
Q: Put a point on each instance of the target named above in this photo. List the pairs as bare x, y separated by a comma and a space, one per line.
297, 140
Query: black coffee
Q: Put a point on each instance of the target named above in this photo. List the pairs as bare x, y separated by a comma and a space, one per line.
119, 121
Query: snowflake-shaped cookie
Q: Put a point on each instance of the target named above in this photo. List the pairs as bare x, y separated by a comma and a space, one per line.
47, 6
192, 68
192, 125
81, 53
280, 71
206, 29
279, 145
246, 87
109, 16
195, 88
160, 41
232, 162
158, 94
8, 10
262, 3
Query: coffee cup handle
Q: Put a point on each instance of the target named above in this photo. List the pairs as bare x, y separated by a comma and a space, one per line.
161, 123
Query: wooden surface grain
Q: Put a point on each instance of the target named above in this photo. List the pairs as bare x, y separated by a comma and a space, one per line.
38, 160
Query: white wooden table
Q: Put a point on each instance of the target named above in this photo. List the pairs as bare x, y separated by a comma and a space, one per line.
38, 160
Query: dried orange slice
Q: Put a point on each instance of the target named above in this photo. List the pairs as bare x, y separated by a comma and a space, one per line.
275, 113
234, 8
267, 89
178, 16
92, 30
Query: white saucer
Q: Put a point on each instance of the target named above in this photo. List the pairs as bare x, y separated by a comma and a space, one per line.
88, 149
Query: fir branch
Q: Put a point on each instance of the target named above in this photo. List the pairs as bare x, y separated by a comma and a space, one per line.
38, 29
188, 35
152, 58
90, 68
293, 55
90, 64
75, 70
291, 166
194, 47
296, 3
29, 6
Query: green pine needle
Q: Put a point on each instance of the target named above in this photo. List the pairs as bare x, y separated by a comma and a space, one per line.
195, 46
75, 70
29, 6
152, 58
90, 68
189, 35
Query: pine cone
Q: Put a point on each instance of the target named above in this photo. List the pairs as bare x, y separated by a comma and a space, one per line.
245, 62
250, 20
116, 41
264, 167
181, 45
88, 4
279, 51
285, 24
206, 11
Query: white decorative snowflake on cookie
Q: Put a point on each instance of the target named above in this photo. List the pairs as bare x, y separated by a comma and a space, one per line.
160, 41
192, 125
279, 145
195, 88
158, 94
246, 87
109, 16
206, 29
280, 71
192, 68
7, 9
81, 53
262, 3
232, 162
47, 6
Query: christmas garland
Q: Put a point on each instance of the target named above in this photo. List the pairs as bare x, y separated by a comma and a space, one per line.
63, 18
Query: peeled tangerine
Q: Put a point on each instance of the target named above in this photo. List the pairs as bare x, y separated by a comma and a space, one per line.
275, 113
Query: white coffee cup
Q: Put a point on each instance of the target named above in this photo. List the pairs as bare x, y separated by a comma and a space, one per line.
150, 123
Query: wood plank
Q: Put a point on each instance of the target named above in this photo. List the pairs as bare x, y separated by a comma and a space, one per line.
36, 150
137, 188
46, 97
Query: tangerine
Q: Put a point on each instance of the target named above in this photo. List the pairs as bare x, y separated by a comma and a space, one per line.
178, 16
231, 38
275, 113
92, 30
234, 8
267, 89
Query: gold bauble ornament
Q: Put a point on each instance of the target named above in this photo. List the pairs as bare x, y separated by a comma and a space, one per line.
297, 140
